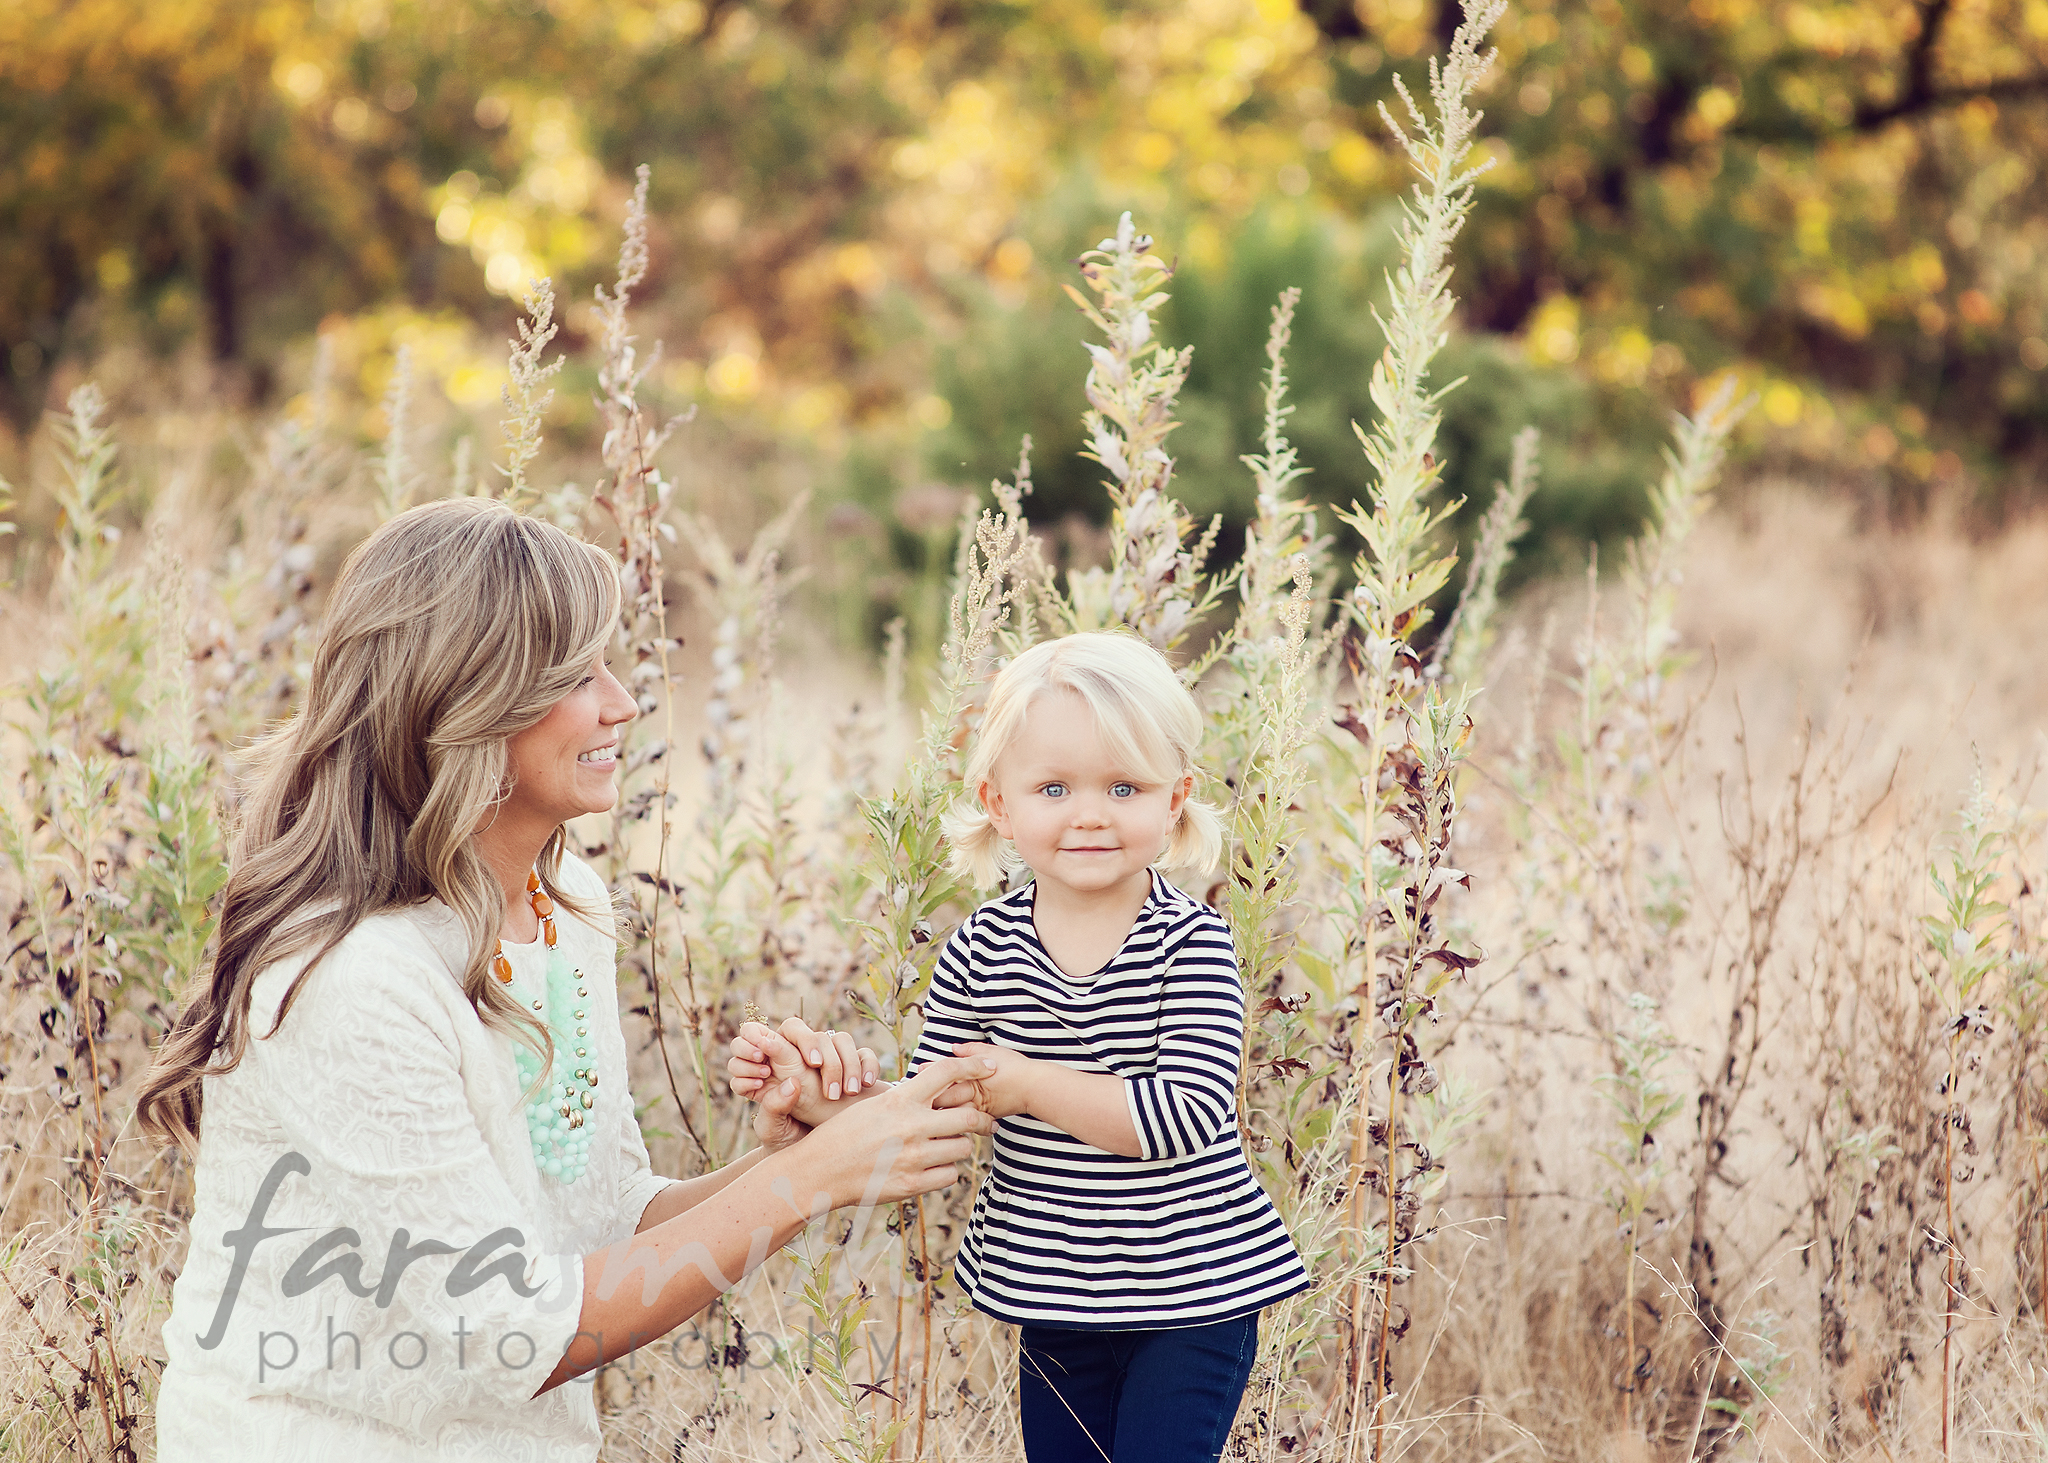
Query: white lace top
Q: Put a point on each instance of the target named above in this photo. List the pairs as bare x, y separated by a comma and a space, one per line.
385, 1120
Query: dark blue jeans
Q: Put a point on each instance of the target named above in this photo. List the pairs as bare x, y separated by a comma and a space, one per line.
1134, 1396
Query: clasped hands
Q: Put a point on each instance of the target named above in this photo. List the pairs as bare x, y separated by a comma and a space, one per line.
802, 1077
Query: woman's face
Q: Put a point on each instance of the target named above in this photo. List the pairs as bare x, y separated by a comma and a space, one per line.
562, 766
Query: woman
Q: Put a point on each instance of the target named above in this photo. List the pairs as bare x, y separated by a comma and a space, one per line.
423, 1210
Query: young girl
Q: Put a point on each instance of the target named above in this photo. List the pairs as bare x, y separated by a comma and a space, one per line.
1120, 1225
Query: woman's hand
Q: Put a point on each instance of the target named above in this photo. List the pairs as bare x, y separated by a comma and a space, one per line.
894, 1145
890, 1146
761, 1057
1006, 1094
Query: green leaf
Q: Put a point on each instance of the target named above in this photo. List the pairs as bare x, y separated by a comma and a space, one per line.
1317, 970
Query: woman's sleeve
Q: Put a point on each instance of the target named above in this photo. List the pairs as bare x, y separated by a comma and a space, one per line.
414, 1283
949, 1015
638, 1182
1180, 1110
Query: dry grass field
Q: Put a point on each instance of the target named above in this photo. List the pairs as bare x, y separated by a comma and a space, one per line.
1649, 1033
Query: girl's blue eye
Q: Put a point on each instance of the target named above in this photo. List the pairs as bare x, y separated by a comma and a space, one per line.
1054, 790
584, 682
1123, 790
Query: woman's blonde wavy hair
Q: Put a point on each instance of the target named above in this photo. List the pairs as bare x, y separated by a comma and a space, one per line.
1147, 719
450, 629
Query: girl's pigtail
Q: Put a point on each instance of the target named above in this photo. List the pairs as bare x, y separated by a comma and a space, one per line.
1197, 839
976, 847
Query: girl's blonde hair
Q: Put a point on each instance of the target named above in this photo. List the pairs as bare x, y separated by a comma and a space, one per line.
451, 628
1146, 718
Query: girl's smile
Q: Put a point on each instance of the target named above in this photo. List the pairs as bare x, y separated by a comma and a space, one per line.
1086, 824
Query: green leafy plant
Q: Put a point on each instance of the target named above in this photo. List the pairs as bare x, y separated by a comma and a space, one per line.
834, 1342
1642, 1101
1399, 719
1763, 1364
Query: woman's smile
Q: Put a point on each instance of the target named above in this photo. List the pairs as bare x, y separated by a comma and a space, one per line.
546, 791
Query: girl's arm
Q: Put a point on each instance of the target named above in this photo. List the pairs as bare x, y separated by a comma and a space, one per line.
1174, 1113
952, 1013
1092, 1106
1180, 1110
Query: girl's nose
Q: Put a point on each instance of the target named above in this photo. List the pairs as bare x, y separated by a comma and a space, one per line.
1089, 813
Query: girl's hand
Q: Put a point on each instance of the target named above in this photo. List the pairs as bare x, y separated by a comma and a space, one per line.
1007, 1092
775, 1123
751, 1067
763, 1059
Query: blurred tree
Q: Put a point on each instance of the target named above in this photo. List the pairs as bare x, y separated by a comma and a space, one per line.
208, 166
1017, 370
200, 158
1849, 194
1838, 195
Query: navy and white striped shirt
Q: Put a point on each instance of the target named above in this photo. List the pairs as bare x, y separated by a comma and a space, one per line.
1066, 1234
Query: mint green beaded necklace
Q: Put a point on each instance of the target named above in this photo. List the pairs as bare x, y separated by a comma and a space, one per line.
557, 1115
